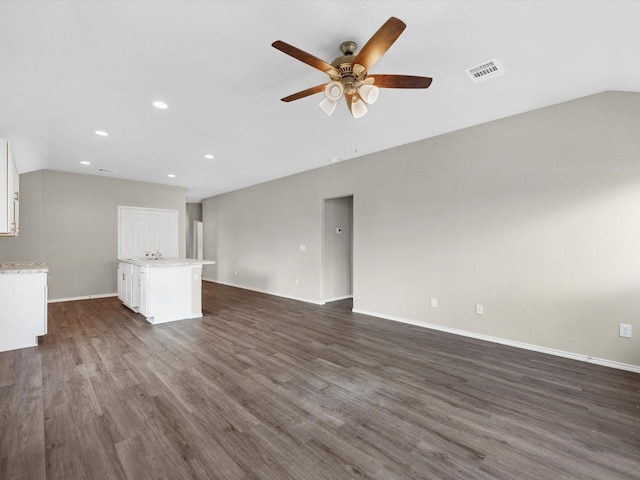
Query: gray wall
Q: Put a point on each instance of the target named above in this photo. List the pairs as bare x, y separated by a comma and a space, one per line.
255, 234
536, 216
70, 221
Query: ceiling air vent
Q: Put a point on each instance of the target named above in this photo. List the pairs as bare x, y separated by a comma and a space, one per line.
485, 71
106, 170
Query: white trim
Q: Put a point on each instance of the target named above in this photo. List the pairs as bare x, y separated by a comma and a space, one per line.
264, 291
611, 364
505, 341
337, 298
85, 297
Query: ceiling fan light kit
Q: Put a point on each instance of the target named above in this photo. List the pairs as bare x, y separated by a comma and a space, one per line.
328, 106
349, 73
369, 93
358, 108
334, 91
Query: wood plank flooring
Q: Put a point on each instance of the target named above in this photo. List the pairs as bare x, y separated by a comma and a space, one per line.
268, 388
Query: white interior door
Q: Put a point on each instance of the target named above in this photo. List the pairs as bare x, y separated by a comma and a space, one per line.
142, 230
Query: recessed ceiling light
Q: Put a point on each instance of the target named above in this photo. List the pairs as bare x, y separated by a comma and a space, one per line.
102, 133
171, 175
333, 159
208, 156
160, 105
85, 162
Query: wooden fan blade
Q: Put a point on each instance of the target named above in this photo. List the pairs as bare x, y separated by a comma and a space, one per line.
305, 57
400, 81
304, 93
379, 43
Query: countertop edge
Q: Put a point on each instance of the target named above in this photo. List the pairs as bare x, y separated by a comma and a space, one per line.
166, 262
12, 268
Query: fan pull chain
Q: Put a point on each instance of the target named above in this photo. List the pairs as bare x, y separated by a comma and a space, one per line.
355, 136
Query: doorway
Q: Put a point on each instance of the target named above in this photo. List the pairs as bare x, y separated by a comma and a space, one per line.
196, 240
338, 248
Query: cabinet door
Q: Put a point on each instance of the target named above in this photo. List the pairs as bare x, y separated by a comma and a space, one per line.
23, 312
5, 195
9, 191
15, 190
120, 283
143, 304
125, 283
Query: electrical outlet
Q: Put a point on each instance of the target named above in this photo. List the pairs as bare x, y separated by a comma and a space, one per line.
434, 303
479, 309
297, 281
236, 273
625, 330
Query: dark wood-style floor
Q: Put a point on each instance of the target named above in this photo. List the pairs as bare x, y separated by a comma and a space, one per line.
269, 388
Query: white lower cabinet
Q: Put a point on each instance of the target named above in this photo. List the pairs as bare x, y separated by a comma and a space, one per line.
128, 287
161, 293
23, 311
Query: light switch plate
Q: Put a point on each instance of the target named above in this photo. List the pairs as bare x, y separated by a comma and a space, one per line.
625, 330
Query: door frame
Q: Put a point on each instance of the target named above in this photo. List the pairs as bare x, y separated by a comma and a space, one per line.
324, 247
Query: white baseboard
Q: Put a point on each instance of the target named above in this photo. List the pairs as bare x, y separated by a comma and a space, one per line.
307, 300
337, 298
86, 297
504, 341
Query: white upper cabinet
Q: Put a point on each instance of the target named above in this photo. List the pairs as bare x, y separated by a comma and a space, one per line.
9, 192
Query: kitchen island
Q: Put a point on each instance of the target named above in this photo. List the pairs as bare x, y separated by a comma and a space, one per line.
23, 300
162, 290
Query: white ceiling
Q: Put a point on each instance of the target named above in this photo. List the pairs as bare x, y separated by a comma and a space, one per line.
68, 68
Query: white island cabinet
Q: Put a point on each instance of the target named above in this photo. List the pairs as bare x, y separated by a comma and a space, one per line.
163, 290
23, 304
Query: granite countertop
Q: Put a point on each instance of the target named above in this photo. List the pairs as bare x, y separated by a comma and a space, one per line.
23, 267
165, 262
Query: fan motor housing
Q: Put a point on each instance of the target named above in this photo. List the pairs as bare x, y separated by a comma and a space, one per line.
344, 65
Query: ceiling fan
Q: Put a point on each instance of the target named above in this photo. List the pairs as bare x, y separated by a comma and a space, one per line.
349, 74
